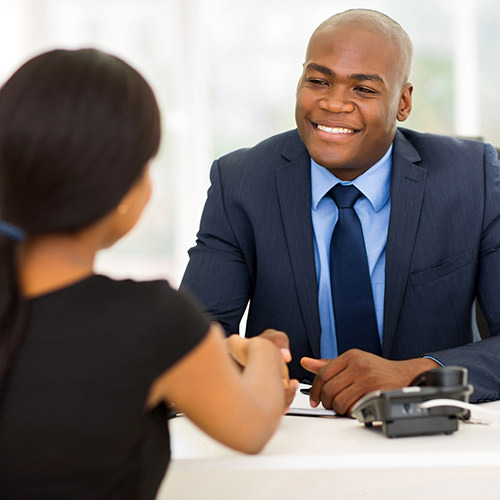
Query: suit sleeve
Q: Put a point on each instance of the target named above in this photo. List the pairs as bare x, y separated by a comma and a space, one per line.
482, 359
217, 273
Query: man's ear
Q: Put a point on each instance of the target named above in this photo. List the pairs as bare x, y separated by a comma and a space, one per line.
405, 103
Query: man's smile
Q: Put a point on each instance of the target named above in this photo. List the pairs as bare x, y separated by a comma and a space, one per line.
336, 130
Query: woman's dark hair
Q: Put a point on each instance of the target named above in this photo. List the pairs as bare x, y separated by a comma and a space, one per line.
77, 128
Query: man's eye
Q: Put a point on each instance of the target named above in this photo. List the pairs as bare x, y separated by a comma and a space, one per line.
317, 81
364, 90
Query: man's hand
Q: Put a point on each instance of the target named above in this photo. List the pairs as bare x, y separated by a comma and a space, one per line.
340, 382
277, 337
280, 340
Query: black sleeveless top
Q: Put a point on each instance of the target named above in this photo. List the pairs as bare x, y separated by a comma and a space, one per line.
72, 422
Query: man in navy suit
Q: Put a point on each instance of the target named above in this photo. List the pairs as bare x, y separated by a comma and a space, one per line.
429, 211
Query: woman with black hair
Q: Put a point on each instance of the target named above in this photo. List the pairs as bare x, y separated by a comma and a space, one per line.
88, 364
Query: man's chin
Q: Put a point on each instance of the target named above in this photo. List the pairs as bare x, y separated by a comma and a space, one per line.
341, 167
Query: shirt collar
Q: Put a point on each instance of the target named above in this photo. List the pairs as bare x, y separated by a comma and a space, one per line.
374, 183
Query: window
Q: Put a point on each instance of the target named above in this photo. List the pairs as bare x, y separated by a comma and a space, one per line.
225, 73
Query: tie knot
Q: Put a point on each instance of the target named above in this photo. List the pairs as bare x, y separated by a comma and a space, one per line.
344, 196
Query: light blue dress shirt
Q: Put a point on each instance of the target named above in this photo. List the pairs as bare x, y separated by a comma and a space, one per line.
373, 210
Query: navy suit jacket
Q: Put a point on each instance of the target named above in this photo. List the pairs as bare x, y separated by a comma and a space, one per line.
255, 244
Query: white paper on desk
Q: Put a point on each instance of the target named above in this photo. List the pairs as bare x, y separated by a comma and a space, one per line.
301, 405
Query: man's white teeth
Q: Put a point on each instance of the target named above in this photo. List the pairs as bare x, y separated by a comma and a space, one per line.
335, 130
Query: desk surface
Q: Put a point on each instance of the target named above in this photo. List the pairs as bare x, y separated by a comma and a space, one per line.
336, 457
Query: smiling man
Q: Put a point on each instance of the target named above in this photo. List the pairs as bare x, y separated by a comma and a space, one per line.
353, 89
366, 243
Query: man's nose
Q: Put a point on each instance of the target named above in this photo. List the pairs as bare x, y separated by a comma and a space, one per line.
337, 100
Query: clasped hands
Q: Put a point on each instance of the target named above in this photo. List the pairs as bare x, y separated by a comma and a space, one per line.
238, 349
340, 382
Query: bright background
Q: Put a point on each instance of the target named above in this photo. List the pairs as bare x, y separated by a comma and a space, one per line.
225, 73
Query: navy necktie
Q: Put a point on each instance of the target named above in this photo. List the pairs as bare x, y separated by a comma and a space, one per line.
355, 320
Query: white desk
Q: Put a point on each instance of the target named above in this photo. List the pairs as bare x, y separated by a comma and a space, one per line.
337, 458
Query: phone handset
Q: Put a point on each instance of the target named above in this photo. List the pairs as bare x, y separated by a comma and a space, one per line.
399, 412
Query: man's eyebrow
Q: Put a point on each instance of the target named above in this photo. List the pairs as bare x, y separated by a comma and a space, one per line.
361, 77
320, 68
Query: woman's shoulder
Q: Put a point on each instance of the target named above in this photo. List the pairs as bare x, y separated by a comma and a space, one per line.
154, 294
124, 302
147, 320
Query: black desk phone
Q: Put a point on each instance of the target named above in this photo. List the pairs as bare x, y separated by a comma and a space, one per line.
399, 411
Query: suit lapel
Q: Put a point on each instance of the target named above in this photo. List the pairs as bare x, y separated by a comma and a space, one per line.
407, 189
293, 182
